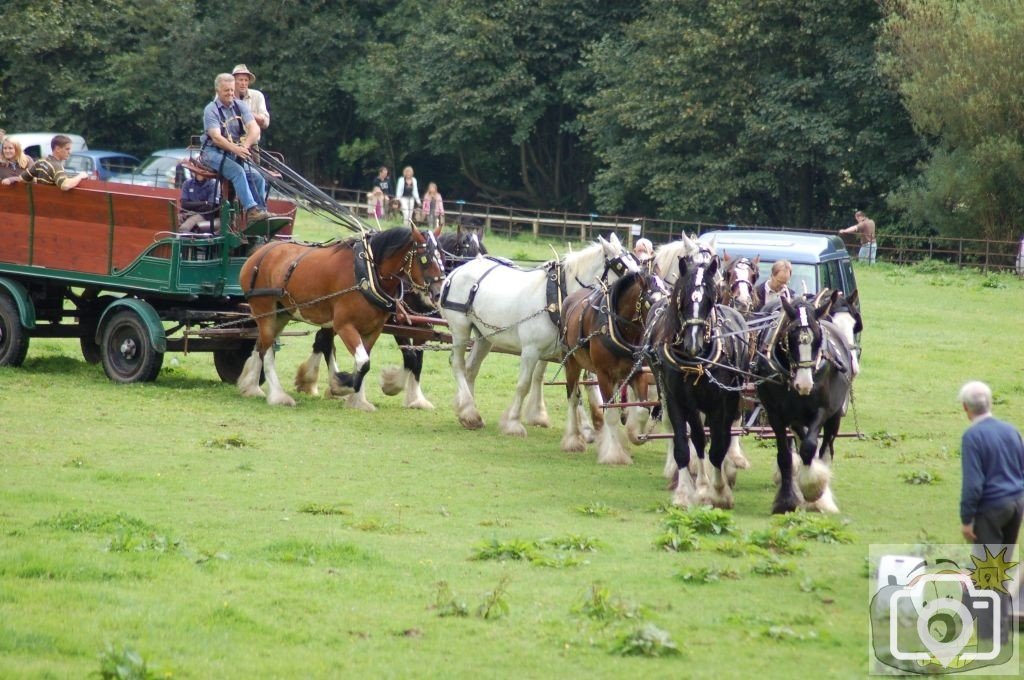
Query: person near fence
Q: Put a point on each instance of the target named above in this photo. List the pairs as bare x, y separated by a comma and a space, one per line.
433, 206
230, 133
865, 229
50, 170
408, 194
992, 490
383, 182
255, 99
375, 203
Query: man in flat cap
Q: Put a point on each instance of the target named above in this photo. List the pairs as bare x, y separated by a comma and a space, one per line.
254, 98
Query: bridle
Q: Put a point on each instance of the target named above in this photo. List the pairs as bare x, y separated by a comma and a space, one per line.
699, 290
740, 282
424, 252
618, 265
805, 333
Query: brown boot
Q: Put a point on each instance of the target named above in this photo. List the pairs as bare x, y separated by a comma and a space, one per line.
256, 214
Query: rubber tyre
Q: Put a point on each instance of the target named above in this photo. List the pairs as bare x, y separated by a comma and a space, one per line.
128, 355
230, 362
91, 352
13, 337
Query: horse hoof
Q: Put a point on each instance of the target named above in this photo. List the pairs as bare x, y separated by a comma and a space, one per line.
539, 421
472, 421
622, 458
739, 460
392, 380
513, 429
574, 444
339, 392
422, 404
255, 392
826, 504
589, 436
281, 400
781, 506
360, 404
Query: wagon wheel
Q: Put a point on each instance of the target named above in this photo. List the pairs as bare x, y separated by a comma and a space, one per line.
230, 362
128, 355
90, 319
13, 338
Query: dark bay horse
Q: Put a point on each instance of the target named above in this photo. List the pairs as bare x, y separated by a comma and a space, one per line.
456, 248
696, 346
602, 331
804, 366
350, 287
739, 283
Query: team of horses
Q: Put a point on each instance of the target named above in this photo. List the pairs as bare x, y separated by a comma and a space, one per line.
688, 325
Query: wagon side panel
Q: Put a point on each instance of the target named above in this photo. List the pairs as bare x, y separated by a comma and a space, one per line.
140, 221
72, 232
15, 224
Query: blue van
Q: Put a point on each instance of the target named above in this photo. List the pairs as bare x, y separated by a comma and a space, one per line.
819, 260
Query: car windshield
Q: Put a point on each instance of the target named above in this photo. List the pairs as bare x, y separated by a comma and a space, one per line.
803, 280
160, 165
78, 163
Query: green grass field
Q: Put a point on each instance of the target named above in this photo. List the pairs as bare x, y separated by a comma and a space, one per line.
178, 525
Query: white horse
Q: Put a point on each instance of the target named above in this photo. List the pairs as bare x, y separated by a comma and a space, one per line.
508, 308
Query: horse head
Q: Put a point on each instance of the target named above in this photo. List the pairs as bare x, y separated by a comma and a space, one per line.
460, 246
692, 306
617, 259
802, 341
666, 257
423, 268
739, 289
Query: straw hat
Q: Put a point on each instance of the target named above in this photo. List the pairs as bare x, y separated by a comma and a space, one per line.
243, 69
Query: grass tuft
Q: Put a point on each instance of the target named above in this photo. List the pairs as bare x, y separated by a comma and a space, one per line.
647, 640
123, 664
84, 522
447, 604
307, 553
601, 605
815, 527
702, 520
596, 509
233, 441
920, 478
772, 566
495, 604
324, 509
704, 575
777, 540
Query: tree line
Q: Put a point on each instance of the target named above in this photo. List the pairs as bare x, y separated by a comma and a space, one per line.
771, 112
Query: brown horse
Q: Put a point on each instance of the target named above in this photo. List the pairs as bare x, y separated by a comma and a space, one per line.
602, 330
350, 286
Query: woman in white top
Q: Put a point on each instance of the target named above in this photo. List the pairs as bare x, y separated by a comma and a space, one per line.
408, 194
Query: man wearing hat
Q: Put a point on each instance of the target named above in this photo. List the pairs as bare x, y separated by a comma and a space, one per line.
254, 98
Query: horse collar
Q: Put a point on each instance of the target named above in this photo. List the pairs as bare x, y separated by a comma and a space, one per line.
367, 277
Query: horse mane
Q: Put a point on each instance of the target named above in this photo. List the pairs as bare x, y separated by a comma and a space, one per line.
621, 286
666, 257
384, 244
583, 261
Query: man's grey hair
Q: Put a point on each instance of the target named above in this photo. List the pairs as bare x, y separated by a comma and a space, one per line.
976, 398
223, 78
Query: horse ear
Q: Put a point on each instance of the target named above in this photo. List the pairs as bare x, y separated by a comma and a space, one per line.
713, 267
725, 256
682, 267
437, 231
757, 260
824, 307
691, 247
854, 299
417, 235
788, 308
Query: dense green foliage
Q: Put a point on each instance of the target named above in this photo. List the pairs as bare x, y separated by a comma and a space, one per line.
775, 112
962, 81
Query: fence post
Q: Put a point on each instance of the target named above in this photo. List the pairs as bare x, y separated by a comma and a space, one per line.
487, 221
985, 269
565, 222
930, 242
960, 252
536, 225
510, 221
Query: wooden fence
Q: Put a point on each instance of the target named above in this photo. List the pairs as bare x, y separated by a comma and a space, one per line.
1006, 256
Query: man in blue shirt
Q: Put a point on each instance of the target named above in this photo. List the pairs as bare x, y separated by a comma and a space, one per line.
230, 133
992, 456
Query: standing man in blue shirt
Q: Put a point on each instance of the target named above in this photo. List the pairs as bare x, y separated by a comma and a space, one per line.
230, 133
992, 456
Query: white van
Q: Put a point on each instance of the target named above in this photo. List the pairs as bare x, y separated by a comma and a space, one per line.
37, 144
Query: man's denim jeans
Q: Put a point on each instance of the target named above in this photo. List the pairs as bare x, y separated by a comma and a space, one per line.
236, 174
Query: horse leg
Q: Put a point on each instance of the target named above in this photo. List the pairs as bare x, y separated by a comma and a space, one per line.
308, 375
393, 378
352, 384
511, 420
684, 494
827, 502
638, 418
592, 418
269, 330
786, 499
735, 454
481, 348
536, 410
814, 474
572, 440
720, 423
611, 449
414, 397
249, 381
465, 405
